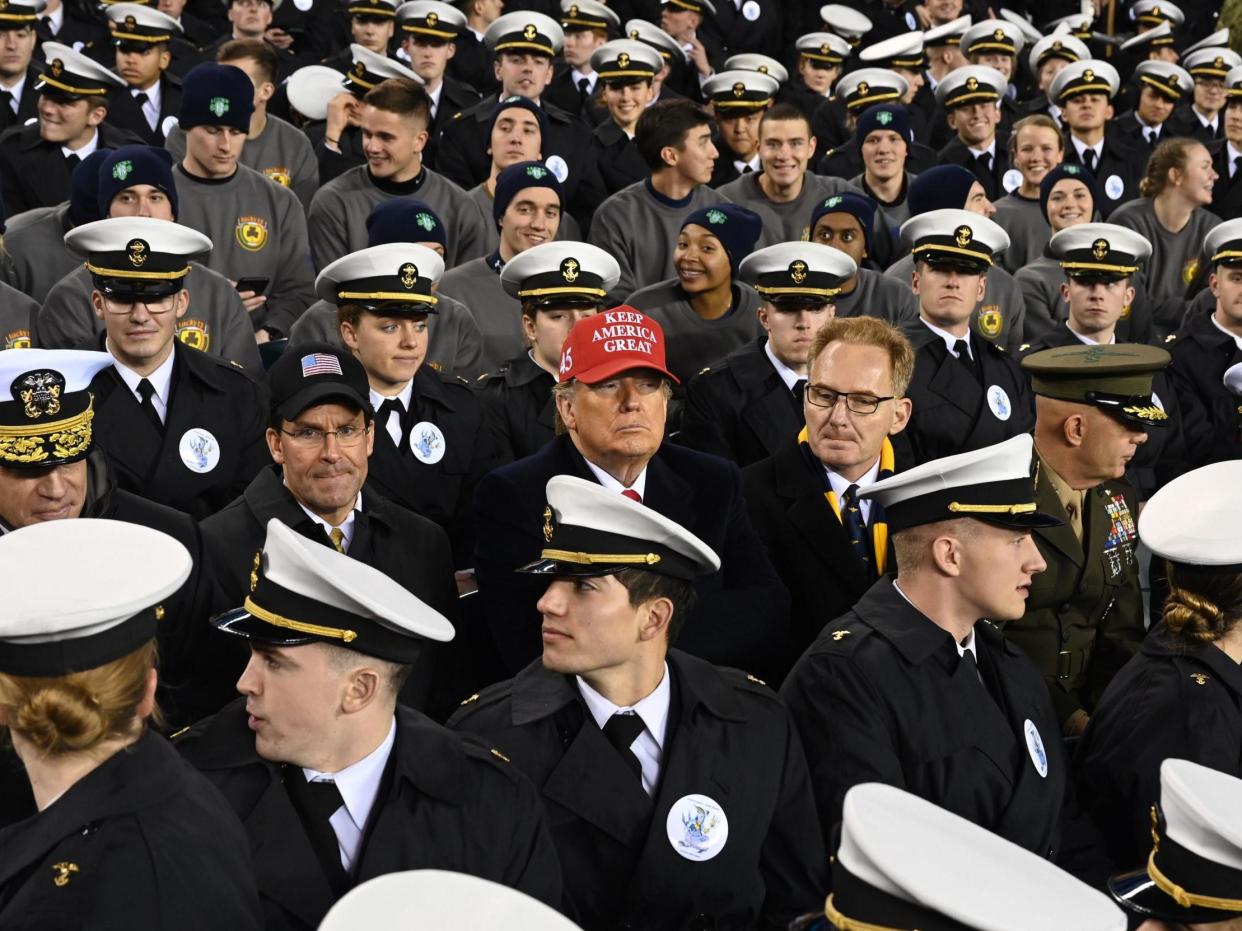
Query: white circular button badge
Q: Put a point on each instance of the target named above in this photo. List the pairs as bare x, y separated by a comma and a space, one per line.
1114, 187
558, 166
427, 442
1035, 745
998, 402
199, 449
750, 10
1012, 180
697, 827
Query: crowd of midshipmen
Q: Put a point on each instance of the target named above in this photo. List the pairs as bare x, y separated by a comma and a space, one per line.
886, 318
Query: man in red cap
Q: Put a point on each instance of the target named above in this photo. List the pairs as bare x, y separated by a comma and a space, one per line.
612, 399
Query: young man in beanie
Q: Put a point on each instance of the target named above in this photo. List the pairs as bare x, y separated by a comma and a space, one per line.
632, 742
137, 181
706, 311
847, 222
257, 228
613, 395
784, 186
395, 115
336, 778
527, 212
36, 161
455, 343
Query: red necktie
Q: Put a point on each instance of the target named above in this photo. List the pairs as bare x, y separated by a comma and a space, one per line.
632, 495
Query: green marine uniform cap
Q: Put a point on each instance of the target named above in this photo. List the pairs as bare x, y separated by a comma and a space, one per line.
1115, 378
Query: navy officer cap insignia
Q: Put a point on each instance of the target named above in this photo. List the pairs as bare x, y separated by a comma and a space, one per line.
992, 484
561, 273
861, 88
432, 19
588, 14
1091, 76
970, 84
110, 579
992, 36
623, 61
139, 26
753, 61
396, 277
135, 258
1057, 45
827, 48
902, 51
1169, 80
901, 859
69, 75
525, 32
1099, 251
307, 592
1194, 871
370, 68
1117, 378
845, 21
46, 408
797, 272
739, 90
1194, 519
598, 532
441, 899
1224, 243
954, 239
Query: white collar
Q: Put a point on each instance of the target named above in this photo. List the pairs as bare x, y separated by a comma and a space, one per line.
160, 379
1203, 120
961, 647
1231, 152
16, 87
640, 483
152, 92
1080, 147
653, 709
754, 163
990, 149
85, 150
405, 395
1087, 339
1143, 124
359, 782
788, 375
1216, 323
478, 35
347, 525
435, 94
577, 76
57, 17
840, 484
949, 339
1054, 111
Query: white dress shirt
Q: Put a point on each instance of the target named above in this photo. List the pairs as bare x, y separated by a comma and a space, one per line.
160, 379
57, 19
1080, 147
16, 89
1232, 155
359, 786
1087, 339
150, 109
753, 164
649, 745
640, 483
577, 76
346, 527
840, 484
950, 340
788, 375
394, 422
85, 150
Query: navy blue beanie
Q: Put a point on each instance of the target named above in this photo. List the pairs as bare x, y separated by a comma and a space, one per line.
216, 95
944, 187
1060, 173
737, 228
517, 177
402, 220
521, 103
860, 206
136, 164
891, 116
84, 189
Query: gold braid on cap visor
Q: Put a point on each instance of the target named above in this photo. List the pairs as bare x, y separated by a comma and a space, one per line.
68, 437
316, 630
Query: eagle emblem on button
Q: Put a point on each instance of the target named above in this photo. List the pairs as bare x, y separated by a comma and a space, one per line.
409, 274
963, 235
39, 393
138, 252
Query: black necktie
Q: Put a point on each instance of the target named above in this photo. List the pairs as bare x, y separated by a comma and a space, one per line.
141, 97
7, 98
984, 162
1237, 163
315, 803
394, 406
622, 729
146, 391
799, 391
852, 521
71, 162
962, 348
746, 169
325, 799
1152, 137
584, 90
45, 28
1088, 159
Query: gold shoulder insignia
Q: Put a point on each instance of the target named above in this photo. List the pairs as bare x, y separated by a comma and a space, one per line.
840, 634
176, 734
1200, 678
757, 681
474, 697
63, 870
500, 756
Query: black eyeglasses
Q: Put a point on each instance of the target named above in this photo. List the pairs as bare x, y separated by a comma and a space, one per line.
855, 403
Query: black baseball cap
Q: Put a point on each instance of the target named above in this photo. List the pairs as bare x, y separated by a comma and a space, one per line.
315, 373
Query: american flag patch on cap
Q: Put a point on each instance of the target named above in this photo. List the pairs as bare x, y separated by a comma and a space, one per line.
320, 363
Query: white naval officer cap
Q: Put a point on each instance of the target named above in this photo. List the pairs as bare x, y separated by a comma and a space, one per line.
1160, 35
902, 860
1223, 243
1211, 62
626, 60
432, 19
440, 899
47, 407
733, 92
992, 36
992, 484
304, 592
702, 7
524, 32
954, 237
1172, 81
797, 272
561, 272
590, 531
861, 88
588, 14
1186, 522
310, 88
1023, 25
1079, 25
1057, 45
370, 68
1217, 39
396, 276
649, 33
137, 24
67, 74
131, 258
753, 61
826, 47
970, 84
1194, 871
949, 33
1090, 76
1155, 12
1099, 250
83, 592
845, 21
1233, 83
901, 51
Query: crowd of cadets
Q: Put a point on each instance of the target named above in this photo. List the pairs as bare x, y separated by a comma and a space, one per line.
379, 273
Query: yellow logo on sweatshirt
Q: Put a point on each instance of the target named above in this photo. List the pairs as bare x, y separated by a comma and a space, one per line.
251, 233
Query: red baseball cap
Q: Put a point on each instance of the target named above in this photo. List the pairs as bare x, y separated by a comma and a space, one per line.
610, 342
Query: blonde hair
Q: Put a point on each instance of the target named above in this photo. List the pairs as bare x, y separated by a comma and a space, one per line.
1203, 604
1169, 154
77, 712
1034, 121
869, 331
